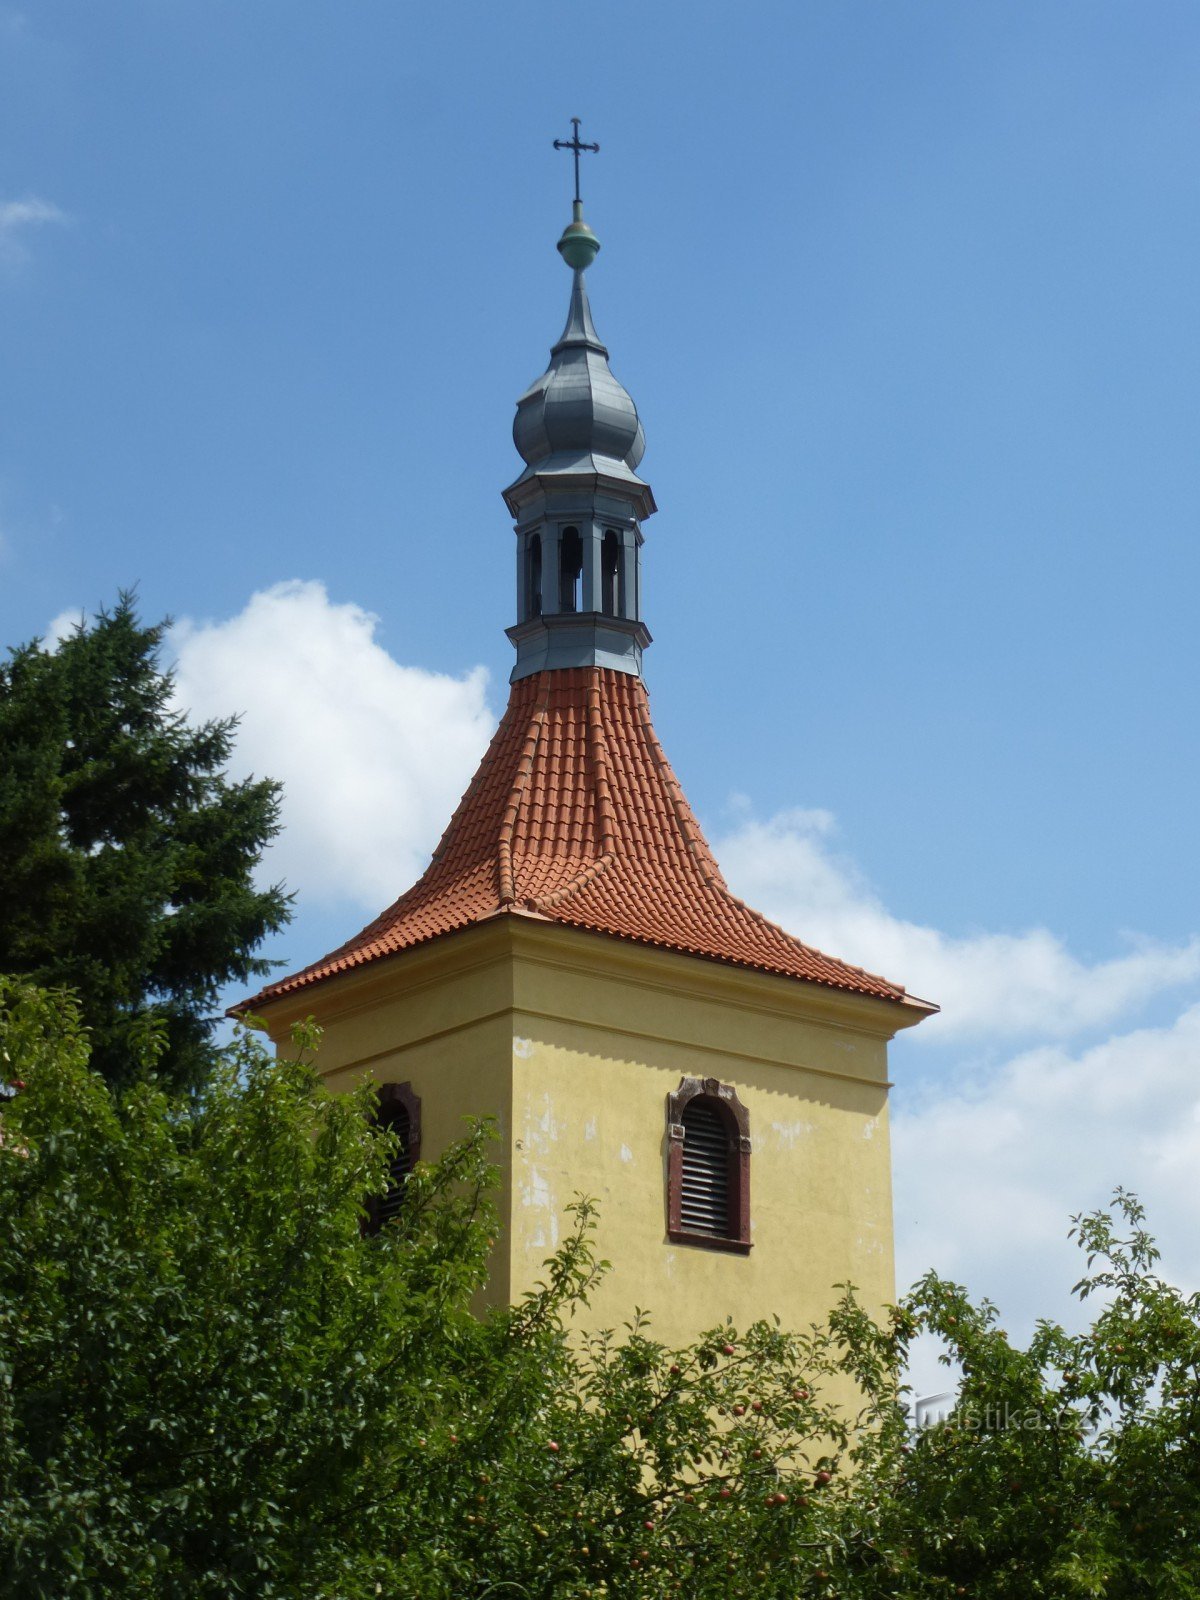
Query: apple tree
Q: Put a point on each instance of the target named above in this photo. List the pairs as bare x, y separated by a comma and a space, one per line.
215, 1381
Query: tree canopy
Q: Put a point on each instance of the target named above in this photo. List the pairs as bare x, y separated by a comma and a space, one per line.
126, 853
215, 1382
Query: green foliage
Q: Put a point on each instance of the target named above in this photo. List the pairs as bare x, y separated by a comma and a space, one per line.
125, 853
1067, 1469
213, 1383
206, 1368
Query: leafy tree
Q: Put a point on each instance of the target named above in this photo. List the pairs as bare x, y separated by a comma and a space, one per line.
1072, 1467
126, 854
214, 1383
209, 1373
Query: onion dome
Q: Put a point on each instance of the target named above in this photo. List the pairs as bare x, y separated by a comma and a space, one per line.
577, 417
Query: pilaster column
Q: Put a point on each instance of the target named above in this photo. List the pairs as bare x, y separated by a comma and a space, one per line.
593, 581
551, 543
629, 574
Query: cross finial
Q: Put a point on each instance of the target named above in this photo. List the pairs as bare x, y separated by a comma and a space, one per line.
575, 145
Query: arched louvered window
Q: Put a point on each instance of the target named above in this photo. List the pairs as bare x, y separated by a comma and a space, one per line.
708, 1166
400, 1114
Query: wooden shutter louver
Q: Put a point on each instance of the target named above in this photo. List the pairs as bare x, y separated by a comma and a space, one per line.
704, 1182
399, 1123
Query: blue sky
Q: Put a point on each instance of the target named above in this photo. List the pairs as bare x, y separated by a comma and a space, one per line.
906, 295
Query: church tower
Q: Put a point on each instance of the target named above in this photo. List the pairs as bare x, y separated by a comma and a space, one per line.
573, 963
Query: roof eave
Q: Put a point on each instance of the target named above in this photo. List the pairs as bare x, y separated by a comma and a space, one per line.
912, 1009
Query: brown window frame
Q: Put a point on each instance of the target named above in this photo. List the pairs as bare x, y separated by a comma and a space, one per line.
737, 1121
393, 1095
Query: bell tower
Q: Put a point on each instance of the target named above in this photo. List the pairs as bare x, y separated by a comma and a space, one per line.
579, 503
572, 962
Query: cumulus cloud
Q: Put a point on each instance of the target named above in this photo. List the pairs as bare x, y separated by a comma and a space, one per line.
987, 1173
993, 1157
17, 217
1000, 985
373, 755
63, 625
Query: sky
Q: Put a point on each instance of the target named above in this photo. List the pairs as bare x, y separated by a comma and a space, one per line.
906, 296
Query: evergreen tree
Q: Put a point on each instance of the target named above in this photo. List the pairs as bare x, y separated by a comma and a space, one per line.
126, 853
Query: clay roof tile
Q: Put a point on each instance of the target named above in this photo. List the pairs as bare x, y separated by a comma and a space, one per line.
575, 815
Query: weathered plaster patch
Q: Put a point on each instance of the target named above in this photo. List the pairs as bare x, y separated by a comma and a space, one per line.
789, 1133
626, 1153
535, 1190
589, 1129
536, 1195
541, 1130
523, 1049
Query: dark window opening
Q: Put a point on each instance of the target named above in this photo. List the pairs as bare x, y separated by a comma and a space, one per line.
570, 569
399, 1167
533, 576
611, 575
400, 1113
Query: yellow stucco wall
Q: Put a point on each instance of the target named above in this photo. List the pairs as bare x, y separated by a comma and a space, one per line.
573, 1041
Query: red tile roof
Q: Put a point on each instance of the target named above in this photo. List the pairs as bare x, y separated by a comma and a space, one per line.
575, 816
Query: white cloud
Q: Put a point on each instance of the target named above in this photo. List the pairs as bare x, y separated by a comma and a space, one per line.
995, 984
373, 755
17, 217
988, 1174
991, 1161
63, 625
